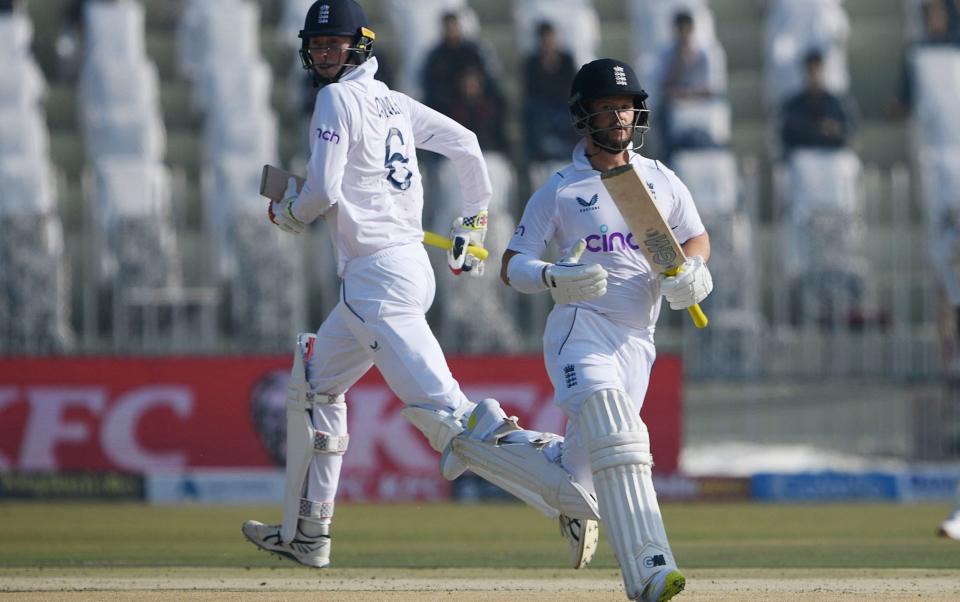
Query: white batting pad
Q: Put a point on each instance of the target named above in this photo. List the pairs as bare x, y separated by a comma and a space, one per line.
619, 448
524, 470
303, 441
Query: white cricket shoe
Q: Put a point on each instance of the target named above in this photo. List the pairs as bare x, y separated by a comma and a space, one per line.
951, 527
582, 535
663, 586
308, 551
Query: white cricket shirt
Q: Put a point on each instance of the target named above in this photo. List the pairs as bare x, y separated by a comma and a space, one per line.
574, 204
363, 174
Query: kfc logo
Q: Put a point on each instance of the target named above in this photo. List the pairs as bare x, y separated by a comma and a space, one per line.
67, 418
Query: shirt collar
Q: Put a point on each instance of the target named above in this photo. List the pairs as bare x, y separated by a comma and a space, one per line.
365, 70
581, 162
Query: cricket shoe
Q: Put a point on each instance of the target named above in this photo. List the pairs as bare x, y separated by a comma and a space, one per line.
582, 535
663, 586
951, 527
308, 551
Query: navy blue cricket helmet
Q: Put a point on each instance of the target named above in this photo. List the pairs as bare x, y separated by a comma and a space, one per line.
599, 79
337, 18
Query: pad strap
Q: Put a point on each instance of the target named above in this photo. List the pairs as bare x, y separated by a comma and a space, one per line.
325, 443
315, 511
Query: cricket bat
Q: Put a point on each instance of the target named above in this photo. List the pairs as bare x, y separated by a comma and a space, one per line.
273, 183
650, 230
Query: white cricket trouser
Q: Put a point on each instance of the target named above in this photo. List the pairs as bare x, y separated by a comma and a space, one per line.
380, 321
585, 352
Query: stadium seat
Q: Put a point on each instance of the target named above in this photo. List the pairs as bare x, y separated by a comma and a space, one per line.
793, 28
576, 23
822, 243
215, 33
937, 76
711, 176
700, 122
23, 133
940, 188
33, 274
114, 29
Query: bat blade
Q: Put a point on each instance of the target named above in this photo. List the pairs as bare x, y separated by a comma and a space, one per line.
650, 229
273, 184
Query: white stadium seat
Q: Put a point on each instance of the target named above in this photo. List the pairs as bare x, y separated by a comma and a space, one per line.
23, 133
115, 29
940, 186
937, 77
576, 23
792, 29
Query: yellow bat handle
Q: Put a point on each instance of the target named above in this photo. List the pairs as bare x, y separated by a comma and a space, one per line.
435, 240
700, 319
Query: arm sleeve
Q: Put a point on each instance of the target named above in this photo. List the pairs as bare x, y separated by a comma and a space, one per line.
437, 133
538, 223
330, 131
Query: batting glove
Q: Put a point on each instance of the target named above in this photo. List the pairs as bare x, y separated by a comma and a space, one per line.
281, 212
467, 231
689, 286
571, 281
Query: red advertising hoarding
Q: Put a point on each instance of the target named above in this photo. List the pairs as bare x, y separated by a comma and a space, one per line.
146, 415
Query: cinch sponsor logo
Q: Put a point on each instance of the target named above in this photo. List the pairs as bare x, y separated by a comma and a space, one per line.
608, 242
329, 135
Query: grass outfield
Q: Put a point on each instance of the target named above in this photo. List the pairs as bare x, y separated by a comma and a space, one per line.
448, 548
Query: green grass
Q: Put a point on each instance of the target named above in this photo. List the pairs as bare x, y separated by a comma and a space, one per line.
704, 536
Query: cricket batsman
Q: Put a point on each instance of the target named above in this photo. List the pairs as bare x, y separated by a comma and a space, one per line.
363, 178
598, 345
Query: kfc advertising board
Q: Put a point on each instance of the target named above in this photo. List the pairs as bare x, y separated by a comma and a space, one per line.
149, 415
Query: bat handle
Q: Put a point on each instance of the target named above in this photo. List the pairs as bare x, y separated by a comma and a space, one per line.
442, 242
699, 318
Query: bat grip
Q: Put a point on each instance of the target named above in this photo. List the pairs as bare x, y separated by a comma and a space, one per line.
699, 318
435, 240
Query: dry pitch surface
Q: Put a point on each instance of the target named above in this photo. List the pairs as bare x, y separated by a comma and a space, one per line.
401, 553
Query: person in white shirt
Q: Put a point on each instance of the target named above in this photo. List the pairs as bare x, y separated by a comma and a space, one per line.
598, 345
363, 179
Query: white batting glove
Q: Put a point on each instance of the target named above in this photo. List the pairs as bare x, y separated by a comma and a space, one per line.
467, 231
690, 286
571, 281
281, 212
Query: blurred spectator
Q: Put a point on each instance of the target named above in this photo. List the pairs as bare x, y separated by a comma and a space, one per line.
940, 28
688, 72
69, 43
478, 106
453, 56
547, 76
815, 117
